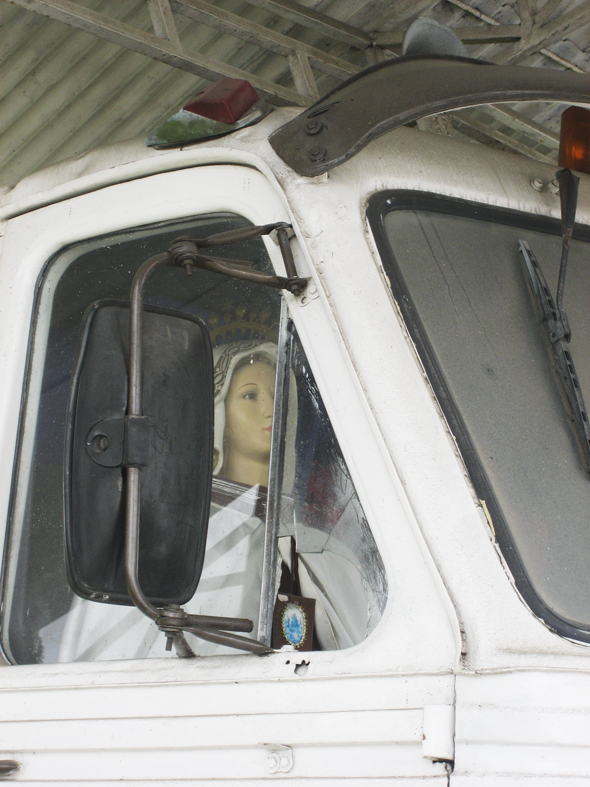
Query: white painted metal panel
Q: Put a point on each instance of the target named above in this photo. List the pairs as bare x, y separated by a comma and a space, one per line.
522, 724
340, 728
499, 630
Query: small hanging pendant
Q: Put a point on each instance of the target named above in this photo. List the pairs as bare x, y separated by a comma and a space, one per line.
293, 622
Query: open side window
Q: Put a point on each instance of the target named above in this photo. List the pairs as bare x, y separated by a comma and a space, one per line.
323, 547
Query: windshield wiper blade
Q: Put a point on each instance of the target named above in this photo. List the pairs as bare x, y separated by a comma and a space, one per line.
553, 315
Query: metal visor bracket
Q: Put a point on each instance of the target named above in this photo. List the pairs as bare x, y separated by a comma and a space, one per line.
391, 94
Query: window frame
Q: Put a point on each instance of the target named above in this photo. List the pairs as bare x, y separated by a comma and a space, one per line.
378, 207
33, 326
409, 638
7, 559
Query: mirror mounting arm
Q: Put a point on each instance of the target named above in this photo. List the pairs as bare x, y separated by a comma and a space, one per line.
135, 408
184, 252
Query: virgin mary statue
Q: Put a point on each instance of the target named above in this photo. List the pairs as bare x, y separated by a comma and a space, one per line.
346, 603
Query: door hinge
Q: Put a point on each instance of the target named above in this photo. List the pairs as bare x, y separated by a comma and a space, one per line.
438, 739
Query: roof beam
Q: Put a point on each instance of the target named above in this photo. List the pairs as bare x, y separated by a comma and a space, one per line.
465, 124
232, 24
136, 40
500, 34
526, 122
545, 12
315, 20
542, 36
374, 55
526, 11
538, 21
163, 21
303, 75
402, 11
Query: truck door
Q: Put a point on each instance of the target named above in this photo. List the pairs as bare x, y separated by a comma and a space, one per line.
89, 691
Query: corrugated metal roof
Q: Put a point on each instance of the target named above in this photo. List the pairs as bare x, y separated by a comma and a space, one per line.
64, 91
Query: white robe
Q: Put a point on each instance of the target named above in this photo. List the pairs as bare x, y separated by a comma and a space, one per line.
229, 586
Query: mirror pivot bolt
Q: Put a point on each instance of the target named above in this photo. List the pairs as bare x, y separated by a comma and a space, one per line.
313, 127
99, 443
317, 153
183, 252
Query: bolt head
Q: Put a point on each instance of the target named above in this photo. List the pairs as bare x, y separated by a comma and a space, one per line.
99, 443
317, 153
313, 127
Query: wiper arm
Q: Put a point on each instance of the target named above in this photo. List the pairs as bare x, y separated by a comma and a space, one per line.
568, 195
553, 315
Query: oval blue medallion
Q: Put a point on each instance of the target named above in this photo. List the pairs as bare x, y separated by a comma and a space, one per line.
294, 625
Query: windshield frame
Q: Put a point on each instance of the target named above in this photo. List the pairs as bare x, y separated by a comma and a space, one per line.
378, 207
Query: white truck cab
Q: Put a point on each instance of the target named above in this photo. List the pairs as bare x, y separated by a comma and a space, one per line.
432, 485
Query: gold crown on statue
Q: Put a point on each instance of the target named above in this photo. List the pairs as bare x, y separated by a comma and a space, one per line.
245, 322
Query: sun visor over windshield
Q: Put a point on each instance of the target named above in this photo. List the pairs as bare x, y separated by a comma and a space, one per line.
399, 91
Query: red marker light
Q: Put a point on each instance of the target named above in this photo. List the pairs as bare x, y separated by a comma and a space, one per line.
225, 101
574, 139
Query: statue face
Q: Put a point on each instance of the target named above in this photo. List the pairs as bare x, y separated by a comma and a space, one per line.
248, 412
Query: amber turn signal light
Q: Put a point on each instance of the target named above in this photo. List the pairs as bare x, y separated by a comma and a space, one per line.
574, 140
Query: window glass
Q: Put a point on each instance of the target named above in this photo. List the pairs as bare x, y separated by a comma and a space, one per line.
460, 280
338, 561
40, 609
43, 621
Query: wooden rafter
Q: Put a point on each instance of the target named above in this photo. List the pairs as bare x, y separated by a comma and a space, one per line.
202, 11
303, 75
500, 34
533, 34
163, 21
545, 12
468, 125
315, 20
404, 11
527, 123
526, 11
536, 33
541, 36
166, 47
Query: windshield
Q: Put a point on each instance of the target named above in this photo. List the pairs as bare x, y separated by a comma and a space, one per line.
458, 274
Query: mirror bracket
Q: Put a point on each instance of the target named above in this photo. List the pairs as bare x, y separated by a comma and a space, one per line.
138, 441
184, 252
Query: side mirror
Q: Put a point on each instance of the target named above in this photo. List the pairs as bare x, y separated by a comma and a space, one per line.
172, 443
139, 448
